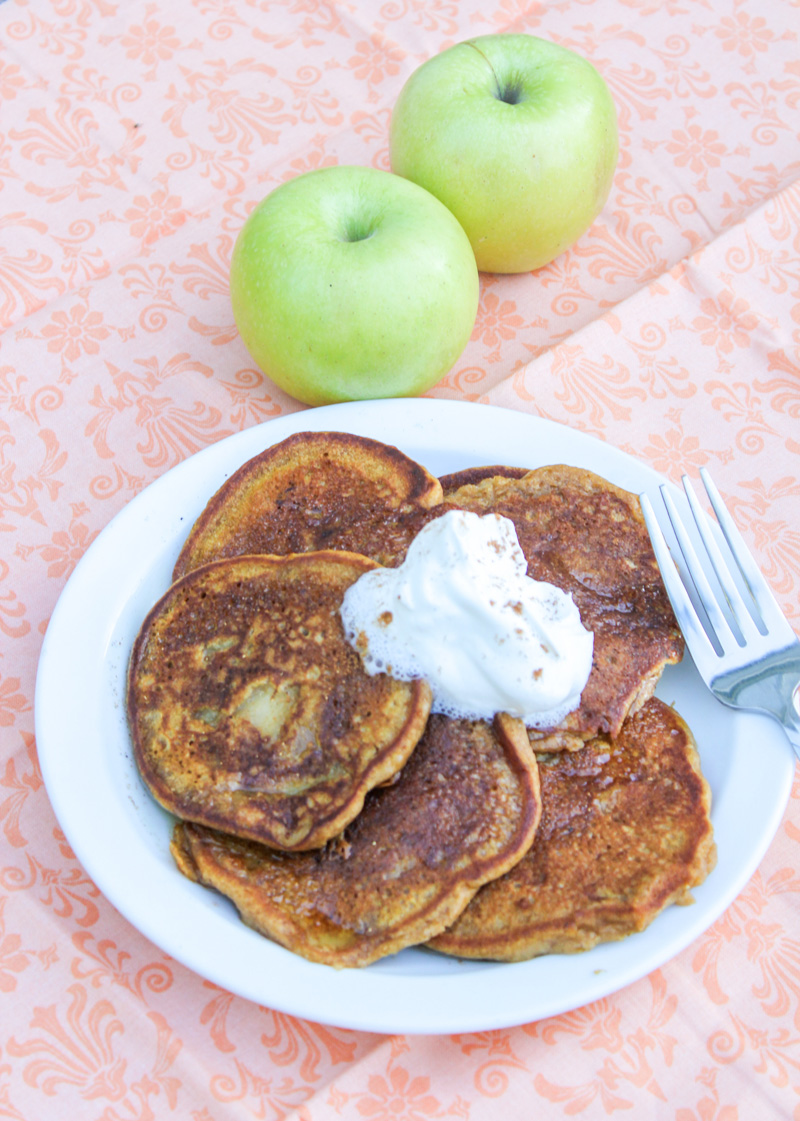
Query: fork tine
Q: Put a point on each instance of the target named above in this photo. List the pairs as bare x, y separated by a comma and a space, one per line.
739, 609
771, 613
688, 619
719, 624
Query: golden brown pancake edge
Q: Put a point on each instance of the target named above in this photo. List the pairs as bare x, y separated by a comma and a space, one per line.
625, 831
299, 494
464, 809
249, 710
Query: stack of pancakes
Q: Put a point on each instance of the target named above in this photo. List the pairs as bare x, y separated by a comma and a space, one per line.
342, 819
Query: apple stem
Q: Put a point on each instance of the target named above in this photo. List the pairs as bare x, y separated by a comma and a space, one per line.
511, 92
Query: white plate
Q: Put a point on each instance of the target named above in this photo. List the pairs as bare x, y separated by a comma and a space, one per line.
121, 836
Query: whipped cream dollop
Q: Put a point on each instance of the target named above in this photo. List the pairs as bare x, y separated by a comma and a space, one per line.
462, 613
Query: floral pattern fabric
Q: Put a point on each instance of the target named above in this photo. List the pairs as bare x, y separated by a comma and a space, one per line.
134, 140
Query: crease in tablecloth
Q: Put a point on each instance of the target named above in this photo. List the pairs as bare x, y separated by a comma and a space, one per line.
736, 355
263, 166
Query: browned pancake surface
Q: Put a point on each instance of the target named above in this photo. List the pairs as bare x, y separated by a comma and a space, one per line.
304, 494
386, 538
624, 832
463, 810
588, 537
471, 476
251, 713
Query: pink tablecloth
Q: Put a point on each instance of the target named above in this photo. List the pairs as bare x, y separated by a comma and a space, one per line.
134, 139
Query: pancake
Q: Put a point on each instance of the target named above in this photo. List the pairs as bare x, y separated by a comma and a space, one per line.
303, 495
249, 710
471, 476
386, 538
588, 537
462, 812
624, 832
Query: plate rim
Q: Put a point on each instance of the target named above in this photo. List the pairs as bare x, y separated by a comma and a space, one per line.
419, 415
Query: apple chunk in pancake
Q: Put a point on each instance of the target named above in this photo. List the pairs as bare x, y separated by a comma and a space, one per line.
249, 710
588, 537
463, 811
314, 490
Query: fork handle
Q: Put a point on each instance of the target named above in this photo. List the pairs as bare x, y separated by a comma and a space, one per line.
791, 726
774, 689
789, 717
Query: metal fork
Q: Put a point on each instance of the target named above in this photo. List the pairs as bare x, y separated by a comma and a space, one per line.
758, 668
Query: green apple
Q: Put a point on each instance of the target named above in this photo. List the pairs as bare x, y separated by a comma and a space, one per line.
517, 137
349, 283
